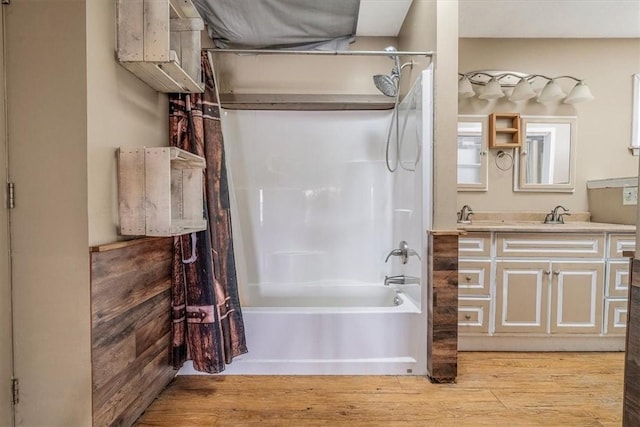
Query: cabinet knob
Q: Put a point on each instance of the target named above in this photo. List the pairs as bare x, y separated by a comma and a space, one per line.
556, 273
547, 272
467, 317
467, 278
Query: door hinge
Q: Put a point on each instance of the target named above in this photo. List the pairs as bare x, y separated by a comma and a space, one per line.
11, 195
15, 391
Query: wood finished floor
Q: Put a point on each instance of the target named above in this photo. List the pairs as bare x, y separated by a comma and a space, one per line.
499, 389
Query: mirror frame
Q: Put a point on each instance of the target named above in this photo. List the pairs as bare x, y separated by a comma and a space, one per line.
483, 185
519, 175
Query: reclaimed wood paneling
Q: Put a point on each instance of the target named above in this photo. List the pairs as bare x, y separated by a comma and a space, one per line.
442, 311
631, 411
130, 308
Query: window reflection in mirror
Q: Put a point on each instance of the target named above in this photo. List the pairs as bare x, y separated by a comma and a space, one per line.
472, 168
547, 157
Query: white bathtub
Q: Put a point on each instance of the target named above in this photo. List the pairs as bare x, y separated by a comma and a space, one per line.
363, 329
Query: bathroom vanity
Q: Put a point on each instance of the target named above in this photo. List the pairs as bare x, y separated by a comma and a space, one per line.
525, 285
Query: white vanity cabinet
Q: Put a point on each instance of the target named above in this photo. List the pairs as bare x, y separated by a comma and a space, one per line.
543, 290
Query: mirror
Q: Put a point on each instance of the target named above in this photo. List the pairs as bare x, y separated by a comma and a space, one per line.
472, 150
546, 161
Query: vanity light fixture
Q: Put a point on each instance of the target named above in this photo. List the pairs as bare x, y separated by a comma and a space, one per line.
492, 90
521, 87
465, 89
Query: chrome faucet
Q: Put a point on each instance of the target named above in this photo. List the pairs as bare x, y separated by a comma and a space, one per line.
404, 252
401, 279
556, 217
464, 215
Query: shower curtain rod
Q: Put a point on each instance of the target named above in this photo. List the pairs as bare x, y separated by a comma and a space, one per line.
319, 52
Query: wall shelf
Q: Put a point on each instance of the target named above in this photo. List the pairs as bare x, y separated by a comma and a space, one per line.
159, 41
160, 191
504, 130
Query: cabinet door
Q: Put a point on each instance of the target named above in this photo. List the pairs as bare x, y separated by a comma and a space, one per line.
475, 245
473, 316
521, 296
616, 317
474, 278
617, 279
472, 153
577, 297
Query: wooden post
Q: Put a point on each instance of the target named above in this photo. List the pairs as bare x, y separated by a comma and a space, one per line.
631, 400
442, 316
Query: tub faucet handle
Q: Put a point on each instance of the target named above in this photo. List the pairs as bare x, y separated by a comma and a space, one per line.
395, 252
412, 252
404, 252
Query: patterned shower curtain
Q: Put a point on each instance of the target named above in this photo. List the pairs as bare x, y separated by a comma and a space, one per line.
207, 320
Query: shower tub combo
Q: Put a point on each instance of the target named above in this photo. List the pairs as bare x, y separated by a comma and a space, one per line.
317, 223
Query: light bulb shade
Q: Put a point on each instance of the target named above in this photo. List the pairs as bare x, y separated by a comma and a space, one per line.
579, 93
465, 90
522, 91
492, 90
551, 92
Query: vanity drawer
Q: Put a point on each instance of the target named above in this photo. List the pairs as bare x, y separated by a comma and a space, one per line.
473, 315
474, 277
618, 279
475, 245
616, 315
619, 243
550, 245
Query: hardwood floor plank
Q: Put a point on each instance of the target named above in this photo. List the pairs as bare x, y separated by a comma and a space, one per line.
497, 389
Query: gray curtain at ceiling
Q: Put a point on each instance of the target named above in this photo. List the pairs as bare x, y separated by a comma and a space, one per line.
280, 24
207, 320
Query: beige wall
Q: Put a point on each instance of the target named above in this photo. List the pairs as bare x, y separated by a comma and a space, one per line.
604, 125
433, 25
304, 74
121, 111
46, 72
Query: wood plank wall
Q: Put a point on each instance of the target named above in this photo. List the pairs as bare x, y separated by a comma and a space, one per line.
631, 402
131, 325
442, 311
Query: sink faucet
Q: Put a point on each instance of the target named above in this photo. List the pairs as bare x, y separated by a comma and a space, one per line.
401, 279
556, 217
464, 215
404, 252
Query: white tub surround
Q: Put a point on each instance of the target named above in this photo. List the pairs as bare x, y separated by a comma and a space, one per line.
317, 216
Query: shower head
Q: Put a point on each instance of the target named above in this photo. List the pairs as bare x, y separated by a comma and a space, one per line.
387, 84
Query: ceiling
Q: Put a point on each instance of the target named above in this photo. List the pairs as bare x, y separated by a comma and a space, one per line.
516, 18
380, 18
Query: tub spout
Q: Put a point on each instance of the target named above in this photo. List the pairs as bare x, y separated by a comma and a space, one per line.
401, 279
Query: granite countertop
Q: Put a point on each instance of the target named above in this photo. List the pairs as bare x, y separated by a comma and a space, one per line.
534, 222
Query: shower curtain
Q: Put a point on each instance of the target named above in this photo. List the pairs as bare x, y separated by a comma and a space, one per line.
207, 321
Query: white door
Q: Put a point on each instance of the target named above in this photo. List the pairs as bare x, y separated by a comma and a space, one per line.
576, 297
521, 296
6, 343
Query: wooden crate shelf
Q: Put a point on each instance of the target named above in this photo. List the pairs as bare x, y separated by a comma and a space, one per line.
159, 41
160, 191
504, 130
